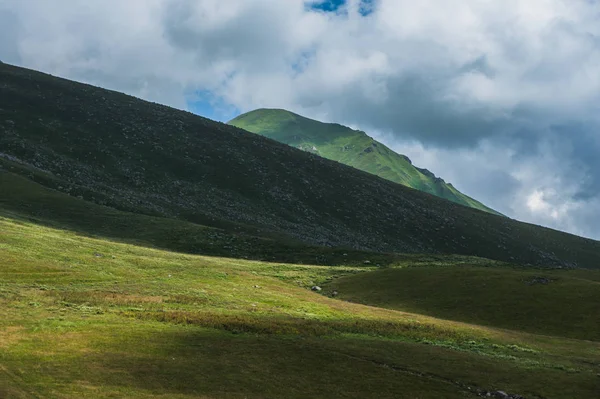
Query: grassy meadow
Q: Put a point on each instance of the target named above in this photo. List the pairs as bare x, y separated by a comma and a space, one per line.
89, 317
556, 302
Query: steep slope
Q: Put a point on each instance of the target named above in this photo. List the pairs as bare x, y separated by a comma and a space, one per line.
132, 155
350, 147
31, 201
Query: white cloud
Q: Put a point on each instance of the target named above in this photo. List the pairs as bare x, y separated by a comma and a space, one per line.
499, 97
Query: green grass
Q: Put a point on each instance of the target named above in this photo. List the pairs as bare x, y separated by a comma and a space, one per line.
350, 147
501, 296
147, 252
83, 316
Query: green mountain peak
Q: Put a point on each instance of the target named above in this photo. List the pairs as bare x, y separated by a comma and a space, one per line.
351, 147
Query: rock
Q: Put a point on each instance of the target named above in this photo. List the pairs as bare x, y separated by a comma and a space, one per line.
98, 255
334, 293
316, 288
500, 394
367, 262
539, 280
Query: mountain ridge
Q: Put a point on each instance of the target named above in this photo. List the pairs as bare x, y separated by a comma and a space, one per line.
132, 155
352, 147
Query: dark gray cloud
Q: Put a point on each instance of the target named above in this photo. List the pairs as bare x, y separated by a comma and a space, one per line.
415, 107
244, 35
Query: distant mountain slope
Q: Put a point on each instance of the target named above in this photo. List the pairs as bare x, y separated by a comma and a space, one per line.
351, 147
129, 154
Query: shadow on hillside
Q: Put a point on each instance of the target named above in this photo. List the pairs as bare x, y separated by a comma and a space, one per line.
32, 202
565, 304
223, 365
213, 363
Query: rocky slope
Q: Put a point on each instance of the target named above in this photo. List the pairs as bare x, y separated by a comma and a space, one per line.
133, 155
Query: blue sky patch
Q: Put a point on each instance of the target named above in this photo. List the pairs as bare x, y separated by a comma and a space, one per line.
366, 6
206, 104
327, 5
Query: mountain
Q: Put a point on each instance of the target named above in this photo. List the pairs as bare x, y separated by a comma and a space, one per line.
121, 152
146, 252
350, 147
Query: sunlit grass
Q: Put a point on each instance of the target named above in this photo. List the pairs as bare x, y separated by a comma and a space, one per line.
85, 316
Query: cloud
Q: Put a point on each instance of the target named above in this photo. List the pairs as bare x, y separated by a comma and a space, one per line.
501, 98
9, 28
541, 184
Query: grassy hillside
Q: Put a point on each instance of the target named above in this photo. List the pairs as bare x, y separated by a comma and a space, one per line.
114, 150
350, 147
563, 303
149, 253
85, 317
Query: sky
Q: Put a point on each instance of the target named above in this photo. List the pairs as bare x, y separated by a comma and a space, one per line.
498, 97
